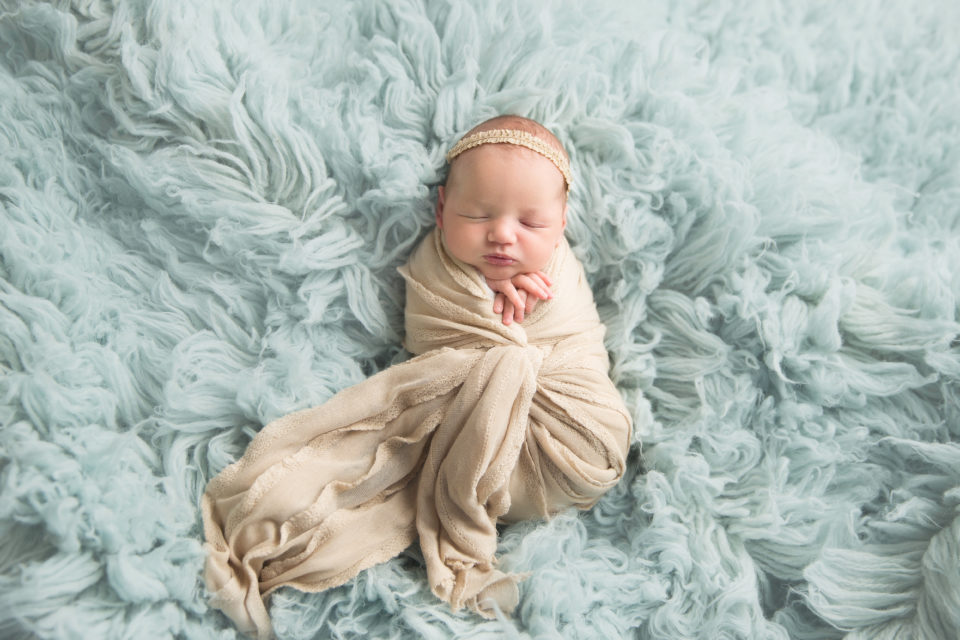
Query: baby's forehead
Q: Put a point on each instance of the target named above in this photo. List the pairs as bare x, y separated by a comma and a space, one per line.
471, 171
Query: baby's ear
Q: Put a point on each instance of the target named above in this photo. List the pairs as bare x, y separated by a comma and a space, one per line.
439, 209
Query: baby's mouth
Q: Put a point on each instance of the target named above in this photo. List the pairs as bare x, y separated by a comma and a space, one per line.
498, 259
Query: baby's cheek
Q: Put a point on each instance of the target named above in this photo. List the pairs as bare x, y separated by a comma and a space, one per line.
456, 245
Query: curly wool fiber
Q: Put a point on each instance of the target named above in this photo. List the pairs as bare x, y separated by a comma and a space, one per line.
203, 205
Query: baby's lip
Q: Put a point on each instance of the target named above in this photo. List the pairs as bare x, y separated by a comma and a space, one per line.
498, 258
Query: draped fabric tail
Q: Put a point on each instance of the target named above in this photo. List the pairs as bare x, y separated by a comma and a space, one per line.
324, 493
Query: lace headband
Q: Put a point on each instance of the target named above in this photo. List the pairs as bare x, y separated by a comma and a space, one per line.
520, 138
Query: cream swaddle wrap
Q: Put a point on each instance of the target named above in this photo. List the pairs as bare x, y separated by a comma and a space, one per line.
490, 422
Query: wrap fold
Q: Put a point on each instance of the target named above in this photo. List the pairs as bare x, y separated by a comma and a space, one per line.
488, 423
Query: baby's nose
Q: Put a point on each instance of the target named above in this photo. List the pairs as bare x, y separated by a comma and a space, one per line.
502, 232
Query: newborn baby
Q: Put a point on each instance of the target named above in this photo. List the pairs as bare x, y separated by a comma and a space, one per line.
506, 412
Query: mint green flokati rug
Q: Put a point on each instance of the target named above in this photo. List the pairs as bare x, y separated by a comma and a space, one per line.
203, 205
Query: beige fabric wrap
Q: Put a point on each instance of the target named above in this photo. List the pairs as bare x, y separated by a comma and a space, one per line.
489, 423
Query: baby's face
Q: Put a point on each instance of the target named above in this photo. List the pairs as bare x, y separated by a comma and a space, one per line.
503, 210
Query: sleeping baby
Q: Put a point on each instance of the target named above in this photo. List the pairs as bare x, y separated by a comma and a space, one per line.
505, 413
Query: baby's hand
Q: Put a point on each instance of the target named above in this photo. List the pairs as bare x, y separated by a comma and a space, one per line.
517, 296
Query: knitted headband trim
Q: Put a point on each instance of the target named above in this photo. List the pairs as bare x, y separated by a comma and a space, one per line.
520, 138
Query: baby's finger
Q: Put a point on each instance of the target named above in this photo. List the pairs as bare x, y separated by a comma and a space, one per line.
545, 283
498, 303
507, 312
518, 312
533, 285
513, 295
531, 303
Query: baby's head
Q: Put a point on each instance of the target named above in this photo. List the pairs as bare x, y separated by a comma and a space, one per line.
503, 208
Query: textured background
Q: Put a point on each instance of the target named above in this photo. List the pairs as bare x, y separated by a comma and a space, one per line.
202, 206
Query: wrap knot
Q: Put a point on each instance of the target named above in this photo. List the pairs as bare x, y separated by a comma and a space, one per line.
529, 357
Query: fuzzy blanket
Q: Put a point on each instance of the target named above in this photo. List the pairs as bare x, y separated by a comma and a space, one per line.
203, 205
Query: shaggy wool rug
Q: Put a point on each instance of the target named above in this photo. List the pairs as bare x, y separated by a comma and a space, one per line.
203, 205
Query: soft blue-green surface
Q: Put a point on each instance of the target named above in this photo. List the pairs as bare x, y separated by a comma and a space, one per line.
202, 205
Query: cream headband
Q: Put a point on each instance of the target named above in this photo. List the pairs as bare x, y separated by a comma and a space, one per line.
520, 138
